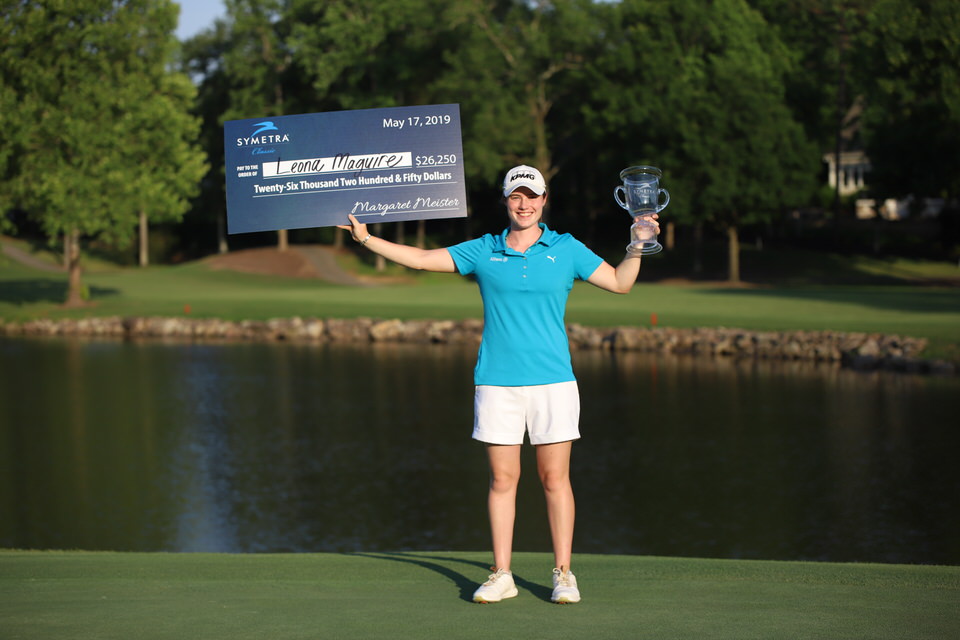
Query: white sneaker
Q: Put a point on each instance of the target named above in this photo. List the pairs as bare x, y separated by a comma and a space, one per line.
498, 586
564, 587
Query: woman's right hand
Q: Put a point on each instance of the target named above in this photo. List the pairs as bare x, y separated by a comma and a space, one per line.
357, 229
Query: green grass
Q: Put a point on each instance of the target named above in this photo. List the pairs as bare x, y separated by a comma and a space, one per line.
931, 312
426, 595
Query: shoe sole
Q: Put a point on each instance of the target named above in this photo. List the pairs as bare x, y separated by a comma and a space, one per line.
509, 594
565, 598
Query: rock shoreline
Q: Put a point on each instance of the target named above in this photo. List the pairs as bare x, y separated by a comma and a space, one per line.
861, 351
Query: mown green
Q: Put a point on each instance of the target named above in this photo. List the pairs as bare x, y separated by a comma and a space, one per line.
426, 595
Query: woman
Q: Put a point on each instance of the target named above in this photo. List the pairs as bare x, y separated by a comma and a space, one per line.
524, 379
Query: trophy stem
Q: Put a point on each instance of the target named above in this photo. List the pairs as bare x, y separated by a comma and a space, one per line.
643, 239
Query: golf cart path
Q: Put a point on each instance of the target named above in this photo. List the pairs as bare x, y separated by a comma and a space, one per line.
25, 258
299, 261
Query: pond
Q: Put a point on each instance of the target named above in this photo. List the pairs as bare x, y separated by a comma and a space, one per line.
244, 447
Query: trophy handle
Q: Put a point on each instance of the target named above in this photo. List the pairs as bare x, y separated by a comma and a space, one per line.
665, 202
617, 195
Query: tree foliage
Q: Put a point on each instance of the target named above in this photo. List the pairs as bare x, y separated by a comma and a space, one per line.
697, 87
360, 54
514, 64
909, 56
737, 100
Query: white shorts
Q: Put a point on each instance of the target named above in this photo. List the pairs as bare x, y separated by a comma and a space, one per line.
549, 413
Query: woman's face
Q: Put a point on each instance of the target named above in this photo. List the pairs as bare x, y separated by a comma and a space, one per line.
525, 208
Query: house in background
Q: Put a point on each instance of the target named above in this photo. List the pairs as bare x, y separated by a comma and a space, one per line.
854, 166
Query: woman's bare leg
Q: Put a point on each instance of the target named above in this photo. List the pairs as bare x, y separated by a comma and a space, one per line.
502, 500
553, 465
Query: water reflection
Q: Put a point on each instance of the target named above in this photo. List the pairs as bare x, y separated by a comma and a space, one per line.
280, 447
771, 460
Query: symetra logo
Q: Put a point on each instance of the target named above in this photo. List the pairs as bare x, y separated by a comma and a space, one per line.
265, 126
260, 135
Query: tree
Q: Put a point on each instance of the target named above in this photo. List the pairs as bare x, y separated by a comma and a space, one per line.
258, 64
92, 83
201, 59
162, 136
753, 156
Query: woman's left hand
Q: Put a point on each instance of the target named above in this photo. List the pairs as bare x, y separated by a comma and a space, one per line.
650, 219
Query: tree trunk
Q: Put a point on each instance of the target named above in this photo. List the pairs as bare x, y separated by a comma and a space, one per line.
733, 255
222, 246
421, 234
669, 239
841, 111
697, 248
144, 240
381, 262
74, 290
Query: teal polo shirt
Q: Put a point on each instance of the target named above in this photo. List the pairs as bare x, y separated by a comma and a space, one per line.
524, 301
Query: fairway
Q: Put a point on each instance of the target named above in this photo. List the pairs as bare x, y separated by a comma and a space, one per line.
919, 311
427, 595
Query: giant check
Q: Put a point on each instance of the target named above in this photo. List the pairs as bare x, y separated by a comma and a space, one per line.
311, 170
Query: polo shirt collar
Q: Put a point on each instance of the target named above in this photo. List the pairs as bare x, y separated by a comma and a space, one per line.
547, 237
